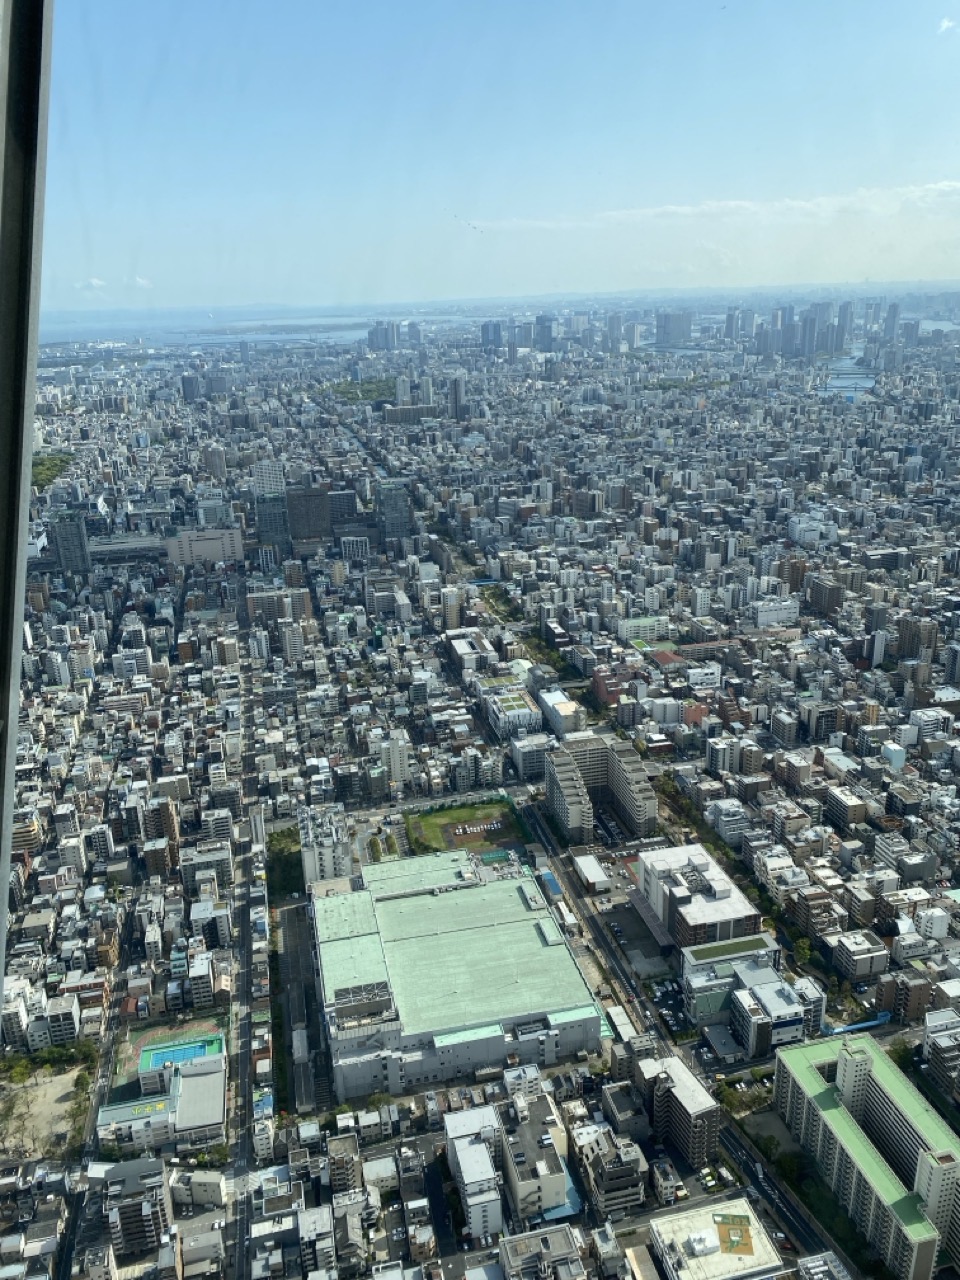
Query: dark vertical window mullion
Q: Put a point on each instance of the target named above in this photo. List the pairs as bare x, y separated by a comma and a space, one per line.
25, 37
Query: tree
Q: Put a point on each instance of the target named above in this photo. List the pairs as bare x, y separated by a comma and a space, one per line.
801, 951
901, 1053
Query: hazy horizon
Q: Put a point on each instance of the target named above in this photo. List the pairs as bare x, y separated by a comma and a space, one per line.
210, 155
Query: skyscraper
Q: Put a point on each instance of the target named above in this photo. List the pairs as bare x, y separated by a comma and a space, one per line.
491, 334
70, 544
273, 523
674, 328
393, 510
267, 476
808, 336
458, 396
731, 328
891, 322
844, 324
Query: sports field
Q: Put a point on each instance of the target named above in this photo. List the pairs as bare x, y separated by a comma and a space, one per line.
477, 827
169, 1042
154, 1056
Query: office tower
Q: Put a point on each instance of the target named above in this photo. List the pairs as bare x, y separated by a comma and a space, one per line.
808, 336
615, 329
748, 323
426, 389
732, 327
458, 397
393, 510
308, 513
951, 663
244, 352
414, 337
787, 314
215, 460
342, 504
844, 324
789, 340
403, 390
450, 604
190, 387
875, 617
273, 523
70, 544
674, 328
383, 336
545, 333
267, 477
891, 322
910, 333
491, 334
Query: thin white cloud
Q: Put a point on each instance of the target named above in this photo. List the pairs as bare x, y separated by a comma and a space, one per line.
933, 198
93, 284
141, 282
946, 24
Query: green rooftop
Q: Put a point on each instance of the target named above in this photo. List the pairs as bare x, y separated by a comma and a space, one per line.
735, 947
408, 875
471, 957
804, 1063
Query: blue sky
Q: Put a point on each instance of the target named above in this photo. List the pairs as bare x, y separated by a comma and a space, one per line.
311, 152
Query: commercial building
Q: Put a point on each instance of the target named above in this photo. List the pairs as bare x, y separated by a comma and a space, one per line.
547, 1251
325, 850
614, 1170
210, 546
883, 1150
714, 1242
440, 966
512, 711
70, 544
475, 1153
592, 875
692, 898
535, 1175
137, 1205
859, 955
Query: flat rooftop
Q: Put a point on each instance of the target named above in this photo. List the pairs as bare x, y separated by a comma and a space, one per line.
804, 1063
717, 1241
470, 957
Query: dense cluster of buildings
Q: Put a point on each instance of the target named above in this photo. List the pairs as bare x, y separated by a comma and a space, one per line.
592, 557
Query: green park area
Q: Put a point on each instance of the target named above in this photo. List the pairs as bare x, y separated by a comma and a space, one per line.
284, 864
376, 389
477, 827
48, 467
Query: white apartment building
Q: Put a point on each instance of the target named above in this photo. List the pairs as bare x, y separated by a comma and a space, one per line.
885, 1153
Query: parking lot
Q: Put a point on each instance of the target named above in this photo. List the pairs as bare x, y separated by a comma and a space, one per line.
668, 998
633, 937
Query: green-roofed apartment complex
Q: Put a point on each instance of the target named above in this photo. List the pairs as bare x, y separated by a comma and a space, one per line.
440, 966
889, 1158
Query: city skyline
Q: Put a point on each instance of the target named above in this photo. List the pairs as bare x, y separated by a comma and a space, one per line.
213, 161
